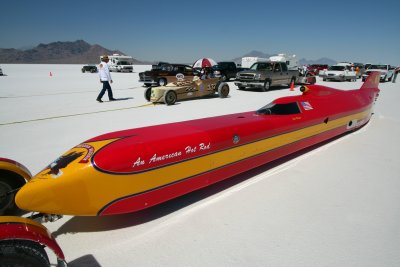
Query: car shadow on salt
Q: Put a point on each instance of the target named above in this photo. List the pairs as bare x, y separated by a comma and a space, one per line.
273, 88
86, 260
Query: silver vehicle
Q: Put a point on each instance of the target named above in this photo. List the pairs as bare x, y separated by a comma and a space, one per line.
386, 71
338, 72
266, 74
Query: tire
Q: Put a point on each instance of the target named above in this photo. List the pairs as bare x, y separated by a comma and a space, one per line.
267, 86
147, 84
23, 253
162, 82
147, 94
223, 90
324, 79
170, 98
6, 201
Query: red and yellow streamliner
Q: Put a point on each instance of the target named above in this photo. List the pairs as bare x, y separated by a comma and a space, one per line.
130, 170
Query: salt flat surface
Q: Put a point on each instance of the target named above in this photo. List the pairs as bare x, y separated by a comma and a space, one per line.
336, 205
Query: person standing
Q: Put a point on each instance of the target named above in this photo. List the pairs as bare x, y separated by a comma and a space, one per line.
396, 71
105, 79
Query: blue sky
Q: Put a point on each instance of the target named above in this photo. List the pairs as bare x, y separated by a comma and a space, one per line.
183, 31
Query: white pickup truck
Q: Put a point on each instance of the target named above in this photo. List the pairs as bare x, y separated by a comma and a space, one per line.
386, 71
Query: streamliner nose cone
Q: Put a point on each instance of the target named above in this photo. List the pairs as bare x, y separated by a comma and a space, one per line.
36, 196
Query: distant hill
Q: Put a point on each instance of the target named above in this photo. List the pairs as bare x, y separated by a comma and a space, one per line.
78, 52
302, 61
253, 53
323, 60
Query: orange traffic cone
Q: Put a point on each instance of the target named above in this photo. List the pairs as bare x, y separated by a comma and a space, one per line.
292, 87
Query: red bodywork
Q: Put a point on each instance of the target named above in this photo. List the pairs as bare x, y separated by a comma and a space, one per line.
327, 105
134, 169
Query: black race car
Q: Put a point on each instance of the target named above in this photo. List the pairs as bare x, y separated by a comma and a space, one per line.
89, 68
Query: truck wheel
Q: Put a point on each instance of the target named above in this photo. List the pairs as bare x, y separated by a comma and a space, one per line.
267, 86
162, 82
170, 98
223, 90
147, 94
23, 253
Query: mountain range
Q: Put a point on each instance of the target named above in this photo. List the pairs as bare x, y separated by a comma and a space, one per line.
78, 52
81, 52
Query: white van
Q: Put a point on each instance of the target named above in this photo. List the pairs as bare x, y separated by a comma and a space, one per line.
120, 63
291, 60
247, 62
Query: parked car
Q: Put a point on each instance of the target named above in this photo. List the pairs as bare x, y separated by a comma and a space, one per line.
167, 73
386, 71
226, 70
342, 72
266, 74
314, 69
89, 68
186, 89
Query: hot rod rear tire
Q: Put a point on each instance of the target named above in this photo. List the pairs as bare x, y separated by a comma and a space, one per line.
223, 90
170, 98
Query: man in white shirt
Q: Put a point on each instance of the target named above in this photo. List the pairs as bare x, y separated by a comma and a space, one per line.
105, 79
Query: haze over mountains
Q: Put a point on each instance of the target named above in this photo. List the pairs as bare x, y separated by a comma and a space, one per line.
81, 52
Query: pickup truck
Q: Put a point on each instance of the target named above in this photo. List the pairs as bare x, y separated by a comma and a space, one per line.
165, 73
226, 70
266, 74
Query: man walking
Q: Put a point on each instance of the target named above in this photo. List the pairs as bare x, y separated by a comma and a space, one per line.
105, 79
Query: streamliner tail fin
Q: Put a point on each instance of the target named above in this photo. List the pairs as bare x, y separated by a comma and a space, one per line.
372, 81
